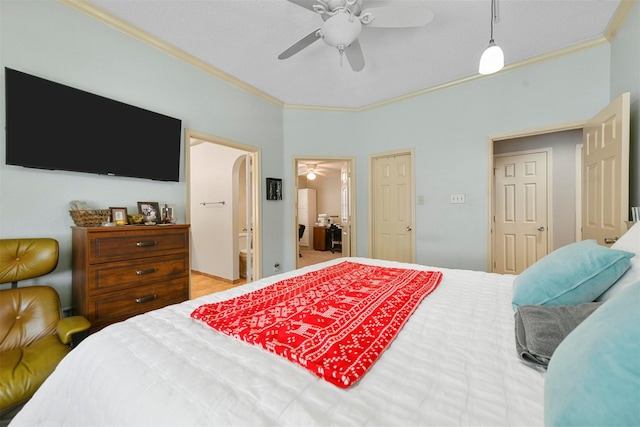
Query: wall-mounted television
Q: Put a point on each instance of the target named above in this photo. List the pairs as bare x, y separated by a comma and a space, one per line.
53, 126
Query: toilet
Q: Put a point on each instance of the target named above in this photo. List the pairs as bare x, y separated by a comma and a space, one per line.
242, 244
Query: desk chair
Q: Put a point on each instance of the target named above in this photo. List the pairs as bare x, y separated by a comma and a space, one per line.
301, 228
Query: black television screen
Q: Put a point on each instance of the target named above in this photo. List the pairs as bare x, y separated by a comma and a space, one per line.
53, 126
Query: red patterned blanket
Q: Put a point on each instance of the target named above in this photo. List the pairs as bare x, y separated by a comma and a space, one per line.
335, 321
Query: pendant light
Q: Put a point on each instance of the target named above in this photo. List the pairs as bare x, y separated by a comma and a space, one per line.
492, 59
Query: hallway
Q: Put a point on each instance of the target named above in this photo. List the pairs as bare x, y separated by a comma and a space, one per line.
310, 256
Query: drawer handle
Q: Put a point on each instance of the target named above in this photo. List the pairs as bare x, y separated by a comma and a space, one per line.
143, 244
147, 271
146, 299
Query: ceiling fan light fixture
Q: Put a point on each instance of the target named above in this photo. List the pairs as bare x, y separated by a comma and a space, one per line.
311, 176
492, 59
341, 30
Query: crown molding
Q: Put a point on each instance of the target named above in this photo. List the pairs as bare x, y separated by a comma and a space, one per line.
618, 18
95, 12
98, 14
541, 58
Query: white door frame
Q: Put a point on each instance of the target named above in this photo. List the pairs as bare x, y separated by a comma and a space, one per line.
352, 190
490, 178
257, 193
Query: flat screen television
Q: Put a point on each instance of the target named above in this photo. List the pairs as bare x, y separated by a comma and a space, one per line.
53, 126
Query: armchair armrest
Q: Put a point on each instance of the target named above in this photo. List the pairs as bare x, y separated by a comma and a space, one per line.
68, 326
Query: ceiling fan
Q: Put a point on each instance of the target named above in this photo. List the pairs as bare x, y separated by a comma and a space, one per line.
343, 21
311, 170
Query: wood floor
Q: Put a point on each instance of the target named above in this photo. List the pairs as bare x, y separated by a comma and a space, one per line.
202, 284
311, 257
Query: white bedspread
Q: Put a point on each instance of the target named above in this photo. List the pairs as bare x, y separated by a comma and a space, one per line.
453, 363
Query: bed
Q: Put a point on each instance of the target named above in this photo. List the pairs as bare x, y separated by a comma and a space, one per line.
453, 362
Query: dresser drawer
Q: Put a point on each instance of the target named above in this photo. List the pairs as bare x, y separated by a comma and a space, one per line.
116, 306
128, 274
128, 244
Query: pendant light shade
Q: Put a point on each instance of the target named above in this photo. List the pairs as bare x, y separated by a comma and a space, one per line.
492, 59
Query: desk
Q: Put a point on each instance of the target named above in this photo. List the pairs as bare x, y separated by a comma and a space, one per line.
321, 238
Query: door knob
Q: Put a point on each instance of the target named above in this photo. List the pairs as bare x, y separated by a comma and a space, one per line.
408, 228
541, 228
609, 240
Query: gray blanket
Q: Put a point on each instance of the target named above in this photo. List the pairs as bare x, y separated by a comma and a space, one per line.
540, 329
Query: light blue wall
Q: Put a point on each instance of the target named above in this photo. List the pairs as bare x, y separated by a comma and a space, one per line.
625, 77
50, 40
449, 130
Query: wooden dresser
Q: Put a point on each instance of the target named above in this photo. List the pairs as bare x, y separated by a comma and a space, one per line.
119, 272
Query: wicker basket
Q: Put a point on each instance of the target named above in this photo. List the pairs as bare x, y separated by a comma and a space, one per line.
92, 218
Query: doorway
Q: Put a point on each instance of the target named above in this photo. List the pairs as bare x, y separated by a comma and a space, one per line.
611, 130
324, 209
548, 201
223, 205
392, 207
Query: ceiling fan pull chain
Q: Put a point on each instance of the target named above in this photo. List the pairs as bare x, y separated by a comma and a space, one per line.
341, 49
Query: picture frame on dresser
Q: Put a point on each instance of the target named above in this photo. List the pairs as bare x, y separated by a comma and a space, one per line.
150, 209
119, 215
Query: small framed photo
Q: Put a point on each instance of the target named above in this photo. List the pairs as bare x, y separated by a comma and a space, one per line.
274, 189
170, 214
150, 210
119, 216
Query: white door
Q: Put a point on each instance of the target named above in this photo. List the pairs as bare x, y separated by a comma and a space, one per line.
520, 221
605, 173
345, 208
392, 194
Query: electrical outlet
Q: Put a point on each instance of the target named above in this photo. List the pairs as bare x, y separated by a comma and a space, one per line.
276, 267
457, 198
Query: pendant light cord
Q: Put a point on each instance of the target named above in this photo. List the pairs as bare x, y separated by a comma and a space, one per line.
492, 18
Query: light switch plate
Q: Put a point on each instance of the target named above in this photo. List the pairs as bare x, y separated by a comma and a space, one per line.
457, 198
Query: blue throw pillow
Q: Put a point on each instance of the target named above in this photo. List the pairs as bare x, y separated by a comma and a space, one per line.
593, 378
573, 274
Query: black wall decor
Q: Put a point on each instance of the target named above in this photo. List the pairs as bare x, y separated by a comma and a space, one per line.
274, 189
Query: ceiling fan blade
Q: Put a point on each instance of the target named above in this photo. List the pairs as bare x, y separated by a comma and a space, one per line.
398, 17
355, 56
300, 44
307, 4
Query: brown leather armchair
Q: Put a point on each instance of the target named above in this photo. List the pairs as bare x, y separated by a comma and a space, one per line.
34, 336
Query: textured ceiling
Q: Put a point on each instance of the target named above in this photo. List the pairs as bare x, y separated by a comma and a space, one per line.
243, 39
